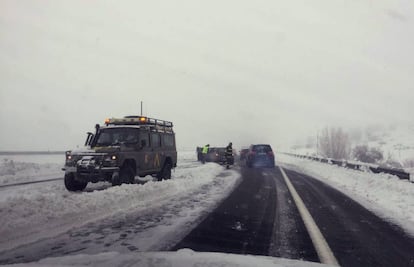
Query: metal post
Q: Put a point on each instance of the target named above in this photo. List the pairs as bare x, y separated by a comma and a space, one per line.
141, 108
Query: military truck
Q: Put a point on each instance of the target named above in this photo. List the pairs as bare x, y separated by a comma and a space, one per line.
121, 149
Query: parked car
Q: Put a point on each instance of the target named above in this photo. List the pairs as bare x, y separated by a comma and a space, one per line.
260, 155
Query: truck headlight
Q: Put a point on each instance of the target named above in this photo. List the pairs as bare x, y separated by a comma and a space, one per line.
69, 159
68, 155
110, 160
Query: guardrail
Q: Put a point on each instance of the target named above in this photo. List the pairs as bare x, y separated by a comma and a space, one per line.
360, 166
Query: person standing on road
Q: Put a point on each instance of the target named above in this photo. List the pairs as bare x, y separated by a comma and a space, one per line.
204, 152
229, 155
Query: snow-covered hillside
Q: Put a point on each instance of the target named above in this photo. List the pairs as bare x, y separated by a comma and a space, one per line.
396, 142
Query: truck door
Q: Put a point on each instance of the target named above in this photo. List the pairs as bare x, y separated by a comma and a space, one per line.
156, 148
145, 154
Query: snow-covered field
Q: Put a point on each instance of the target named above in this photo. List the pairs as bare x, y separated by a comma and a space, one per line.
32, 212
26, 168
386, 195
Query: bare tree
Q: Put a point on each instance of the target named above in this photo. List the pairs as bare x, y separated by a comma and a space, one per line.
334, 143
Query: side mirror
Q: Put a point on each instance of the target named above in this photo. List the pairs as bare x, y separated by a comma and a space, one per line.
143, 143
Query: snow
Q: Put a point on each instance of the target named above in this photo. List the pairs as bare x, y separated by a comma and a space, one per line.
394, 141
181, 258
38, 211
386, 195
26, 168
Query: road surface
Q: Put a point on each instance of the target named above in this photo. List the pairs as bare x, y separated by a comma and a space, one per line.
260, 217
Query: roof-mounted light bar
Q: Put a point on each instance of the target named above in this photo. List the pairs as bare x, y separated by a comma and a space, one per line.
138, 120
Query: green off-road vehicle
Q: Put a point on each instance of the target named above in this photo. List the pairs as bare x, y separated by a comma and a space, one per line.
122, 149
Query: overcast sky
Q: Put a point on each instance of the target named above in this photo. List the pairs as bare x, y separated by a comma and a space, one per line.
241, 71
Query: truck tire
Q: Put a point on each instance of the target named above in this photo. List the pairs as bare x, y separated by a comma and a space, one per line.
127, 175
116, 180
72, 184
165, 173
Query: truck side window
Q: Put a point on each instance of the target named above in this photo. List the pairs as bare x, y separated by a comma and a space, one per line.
155, 140
144, 139
168, 140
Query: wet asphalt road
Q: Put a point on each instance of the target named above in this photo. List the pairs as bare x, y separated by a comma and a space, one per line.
260, 218
356, 235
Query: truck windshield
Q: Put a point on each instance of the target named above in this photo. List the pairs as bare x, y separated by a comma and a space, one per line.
117, 136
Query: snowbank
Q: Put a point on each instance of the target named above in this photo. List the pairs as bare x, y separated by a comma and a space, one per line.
48, 208
386, 195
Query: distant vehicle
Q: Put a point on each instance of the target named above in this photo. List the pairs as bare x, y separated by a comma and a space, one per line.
120, 150
220, 155
215, 154
260, 155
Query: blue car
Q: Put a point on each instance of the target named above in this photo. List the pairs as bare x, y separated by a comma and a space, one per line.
260, 156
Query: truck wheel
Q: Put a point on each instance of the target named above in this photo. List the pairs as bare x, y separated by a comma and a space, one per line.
127, 175
165, 173
116, 180
72, 184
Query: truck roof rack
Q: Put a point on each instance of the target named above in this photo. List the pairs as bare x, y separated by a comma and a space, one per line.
154, 124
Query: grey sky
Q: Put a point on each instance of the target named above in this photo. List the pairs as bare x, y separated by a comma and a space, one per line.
241, 71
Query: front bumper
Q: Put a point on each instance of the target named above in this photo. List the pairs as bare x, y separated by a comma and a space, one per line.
92, 169
94, 173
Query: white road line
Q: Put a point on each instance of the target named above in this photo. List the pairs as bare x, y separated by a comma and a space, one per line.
322, 248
